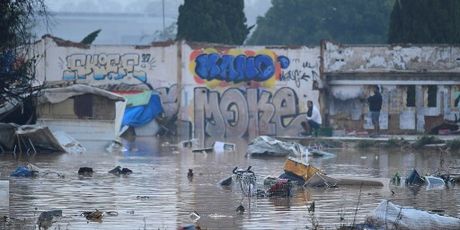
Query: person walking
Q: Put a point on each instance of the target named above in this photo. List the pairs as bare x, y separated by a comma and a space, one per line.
375, 105
313, 123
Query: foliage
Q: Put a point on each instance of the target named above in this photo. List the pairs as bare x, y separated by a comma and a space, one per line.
426, 140
169, 33
16, 63
215, 21
89, 39
301, 22
425, 21
396, 143
364, 144
453, 145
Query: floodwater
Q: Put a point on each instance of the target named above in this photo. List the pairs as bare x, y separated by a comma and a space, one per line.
158, 195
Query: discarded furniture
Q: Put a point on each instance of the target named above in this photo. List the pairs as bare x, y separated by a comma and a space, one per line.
299, 168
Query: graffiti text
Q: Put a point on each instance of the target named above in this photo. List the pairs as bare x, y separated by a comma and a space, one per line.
251, 112
107, 66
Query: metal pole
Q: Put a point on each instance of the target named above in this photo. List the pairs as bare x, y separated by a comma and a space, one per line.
163, 5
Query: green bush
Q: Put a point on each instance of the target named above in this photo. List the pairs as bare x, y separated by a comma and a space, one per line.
454, 145
426, 140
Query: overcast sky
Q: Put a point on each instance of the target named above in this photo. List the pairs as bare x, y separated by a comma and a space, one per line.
253, 8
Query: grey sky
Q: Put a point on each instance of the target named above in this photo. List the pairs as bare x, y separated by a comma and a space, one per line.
253, 8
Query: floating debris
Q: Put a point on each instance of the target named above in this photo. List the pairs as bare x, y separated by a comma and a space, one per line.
226, 182
120, 171
93, 216
391, 216
46, 219
240, 209
24, 171
190, 173
194, 216
85, 171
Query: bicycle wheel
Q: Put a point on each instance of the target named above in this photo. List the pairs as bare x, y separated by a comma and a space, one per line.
248, 185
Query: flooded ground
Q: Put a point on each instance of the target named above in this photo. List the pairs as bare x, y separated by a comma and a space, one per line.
158, 195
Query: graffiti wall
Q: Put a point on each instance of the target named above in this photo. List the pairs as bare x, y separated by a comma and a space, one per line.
106, 64
249, 91
221, 91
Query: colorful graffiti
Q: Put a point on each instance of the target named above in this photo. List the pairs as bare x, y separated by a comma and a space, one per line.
108, 66
250, 112
214, 68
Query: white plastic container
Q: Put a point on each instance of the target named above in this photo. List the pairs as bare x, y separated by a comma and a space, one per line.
4, 197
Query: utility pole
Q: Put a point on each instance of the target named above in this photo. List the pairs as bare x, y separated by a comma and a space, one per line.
164, 27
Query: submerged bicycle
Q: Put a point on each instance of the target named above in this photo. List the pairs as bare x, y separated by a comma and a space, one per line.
247, 180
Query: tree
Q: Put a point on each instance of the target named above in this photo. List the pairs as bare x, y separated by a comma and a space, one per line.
425, 21
216, 21
89, 39
169, 33
306, 22
17, 74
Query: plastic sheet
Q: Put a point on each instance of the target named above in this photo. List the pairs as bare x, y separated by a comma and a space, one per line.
390, 216
264, 146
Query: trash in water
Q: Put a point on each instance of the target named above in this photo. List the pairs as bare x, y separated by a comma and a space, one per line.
218, 216
85, 171
312, 207
119, 171
112, 213
226, 181
265, 146
114, 147
142, 197
206, 150
194, 216
190, 173
46, 219
292, 177
433, 182
69, 143
280, 187
240, 209
93, 216
24, 171
396, 180
391, 216
414, 178
188, 143
299, 168
4, 197
320, 180
188, 227
321, 153
220, 147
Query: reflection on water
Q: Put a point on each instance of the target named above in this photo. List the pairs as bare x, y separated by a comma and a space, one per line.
159, 195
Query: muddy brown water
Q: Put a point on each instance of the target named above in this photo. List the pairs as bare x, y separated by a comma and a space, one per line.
158, 195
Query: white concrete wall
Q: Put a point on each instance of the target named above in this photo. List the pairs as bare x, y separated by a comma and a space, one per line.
253, 91
387, 58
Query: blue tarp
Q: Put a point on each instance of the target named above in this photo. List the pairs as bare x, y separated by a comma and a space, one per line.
137, 116
22, 171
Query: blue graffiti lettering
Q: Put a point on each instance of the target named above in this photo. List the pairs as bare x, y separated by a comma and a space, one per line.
236, 69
